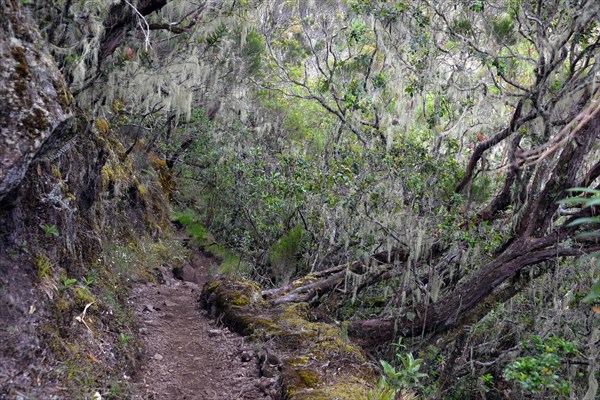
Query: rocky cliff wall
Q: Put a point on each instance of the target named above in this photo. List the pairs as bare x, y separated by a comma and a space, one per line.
69, 196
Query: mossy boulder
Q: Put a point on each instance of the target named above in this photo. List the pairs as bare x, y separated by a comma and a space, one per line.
82, 297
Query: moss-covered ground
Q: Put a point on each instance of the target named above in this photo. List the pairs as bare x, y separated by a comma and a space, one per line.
317, 361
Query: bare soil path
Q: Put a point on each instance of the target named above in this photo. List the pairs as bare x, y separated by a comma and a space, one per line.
186, 355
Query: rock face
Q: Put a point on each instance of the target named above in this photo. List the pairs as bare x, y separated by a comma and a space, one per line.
68, 191
33, 94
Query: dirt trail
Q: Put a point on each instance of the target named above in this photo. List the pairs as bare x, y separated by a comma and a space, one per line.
187, 356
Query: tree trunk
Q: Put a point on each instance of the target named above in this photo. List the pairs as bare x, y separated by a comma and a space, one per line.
458, 306
120, 20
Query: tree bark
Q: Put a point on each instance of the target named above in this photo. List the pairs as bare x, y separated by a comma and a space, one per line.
120, 20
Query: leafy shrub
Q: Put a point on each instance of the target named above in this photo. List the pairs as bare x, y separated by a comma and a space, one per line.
404, 376
538, 371
589, 198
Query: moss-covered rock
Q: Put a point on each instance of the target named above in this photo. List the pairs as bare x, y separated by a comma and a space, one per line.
31, 106
317, 361
82, 297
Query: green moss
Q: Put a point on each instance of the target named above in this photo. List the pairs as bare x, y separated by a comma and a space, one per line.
55, 171
65, 99
213, 286
42, 265
308, 379
296, 380
310, 385
114, 173
262, 326
102, 126
240, 301
240, 292
299, 361
61, 304
311, 346
21, 76
36, 120
141, 190
349, 388
82, 297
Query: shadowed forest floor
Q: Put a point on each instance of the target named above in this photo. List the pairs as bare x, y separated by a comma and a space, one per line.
187, 355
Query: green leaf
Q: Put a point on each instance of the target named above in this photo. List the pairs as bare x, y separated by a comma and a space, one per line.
593, 294
592, 202
387, 368
49, 230
589, 234
585, 190
571, 200
586, 220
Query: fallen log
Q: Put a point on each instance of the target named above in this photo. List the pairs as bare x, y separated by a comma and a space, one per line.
318, 283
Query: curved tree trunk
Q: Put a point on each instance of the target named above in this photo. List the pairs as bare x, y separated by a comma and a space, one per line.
458, 306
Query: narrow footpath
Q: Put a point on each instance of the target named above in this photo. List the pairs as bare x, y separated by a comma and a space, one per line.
186, 355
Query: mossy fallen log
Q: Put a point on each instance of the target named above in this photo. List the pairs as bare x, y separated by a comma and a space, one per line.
316, 360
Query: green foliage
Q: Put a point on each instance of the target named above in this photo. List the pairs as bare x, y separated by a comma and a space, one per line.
43, 265
487, 382
358, 29
481, 188
504, 29
88, 281
379, 80
590, 198
586, 201
49, 230
462, 26
405, 374
137, 261
253, 50
193, 227
230, 263
67, 282
214, 37
283, 255
124, 339
539, 370
477, 5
